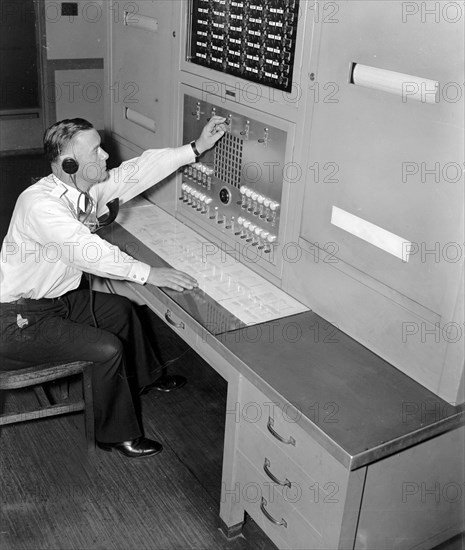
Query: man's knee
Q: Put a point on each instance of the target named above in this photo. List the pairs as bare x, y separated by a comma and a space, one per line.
109, 348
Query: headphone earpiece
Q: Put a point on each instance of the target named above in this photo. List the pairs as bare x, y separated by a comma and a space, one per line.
70, 165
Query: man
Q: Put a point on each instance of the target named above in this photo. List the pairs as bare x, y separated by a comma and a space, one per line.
44, 315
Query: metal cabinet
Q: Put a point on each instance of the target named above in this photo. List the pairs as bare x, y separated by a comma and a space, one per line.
379, 218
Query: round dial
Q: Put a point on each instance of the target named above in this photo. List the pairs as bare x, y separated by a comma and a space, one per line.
225, 195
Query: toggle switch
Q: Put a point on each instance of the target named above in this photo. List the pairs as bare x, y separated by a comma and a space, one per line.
245, 132
197, 111
240, 222
246, 225
215, 215
264, 236
258, 232
243, 191
265, 137
251, 229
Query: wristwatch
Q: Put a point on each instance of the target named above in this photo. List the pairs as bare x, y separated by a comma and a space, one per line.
196, 151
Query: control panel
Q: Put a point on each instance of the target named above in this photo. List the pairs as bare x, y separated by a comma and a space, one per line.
252, 39
236, 187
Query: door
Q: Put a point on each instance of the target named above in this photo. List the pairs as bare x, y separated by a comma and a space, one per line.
21, 113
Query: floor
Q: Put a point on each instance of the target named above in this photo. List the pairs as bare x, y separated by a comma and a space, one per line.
55, 495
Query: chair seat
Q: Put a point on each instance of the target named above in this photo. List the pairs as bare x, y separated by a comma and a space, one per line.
40, 374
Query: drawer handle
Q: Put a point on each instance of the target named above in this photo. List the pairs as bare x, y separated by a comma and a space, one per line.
266, 467
290, 441
173, 323
263, 505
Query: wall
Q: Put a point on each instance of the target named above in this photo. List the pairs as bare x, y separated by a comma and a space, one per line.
75, 51
21, 124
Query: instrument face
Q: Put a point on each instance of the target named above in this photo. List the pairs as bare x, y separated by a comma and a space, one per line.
252, 39
236, 186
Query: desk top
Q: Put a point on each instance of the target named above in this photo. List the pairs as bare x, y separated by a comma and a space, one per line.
361, 408
248, 297
355, 404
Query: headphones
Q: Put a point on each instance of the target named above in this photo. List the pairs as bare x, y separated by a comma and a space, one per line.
70, 165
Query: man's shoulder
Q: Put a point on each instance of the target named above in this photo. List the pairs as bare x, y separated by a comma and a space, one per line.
43, 190
39, 185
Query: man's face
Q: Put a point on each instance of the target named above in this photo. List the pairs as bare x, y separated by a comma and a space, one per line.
85, 148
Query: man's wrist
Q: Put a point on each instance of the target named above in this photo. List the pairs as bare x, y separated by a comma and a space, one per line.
194, 148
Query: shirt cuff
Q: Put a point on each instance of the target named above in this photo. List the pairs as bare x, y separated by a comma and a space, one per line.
186, 154
139, 273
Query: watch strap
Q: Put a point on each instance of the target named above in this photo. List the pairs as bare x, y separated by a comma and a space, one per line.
194, 148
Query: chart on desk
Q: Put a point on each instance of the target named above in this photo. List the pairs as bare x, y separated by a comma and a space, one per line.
241, 291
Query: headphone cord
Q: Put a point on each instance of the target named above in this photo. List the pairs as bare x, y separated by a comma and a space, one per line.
89, 275
91, 300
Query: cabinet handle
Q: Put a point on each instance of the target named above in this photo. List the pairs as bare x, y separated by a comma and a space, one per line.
173, 323
263, 504
290, 441
266, 467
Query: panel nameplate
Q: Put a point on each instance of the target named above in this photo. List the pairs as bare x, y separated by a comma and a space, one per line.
371, 233
408, 86
140, 120
140, 21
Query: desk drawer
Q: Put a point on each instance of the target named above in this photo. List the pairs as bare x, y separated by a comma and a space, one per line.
277, 518
257, 410
321, 504
174, 316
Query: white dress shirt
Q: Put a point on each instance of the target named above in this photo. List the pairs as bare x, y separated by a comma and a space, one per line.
47, 248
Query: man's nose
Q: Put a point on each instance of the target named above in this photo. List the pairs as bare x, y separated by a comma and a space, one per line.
104, 154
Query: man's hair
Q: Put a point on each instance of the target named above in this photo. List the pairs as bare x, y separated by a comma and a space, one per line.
57, 137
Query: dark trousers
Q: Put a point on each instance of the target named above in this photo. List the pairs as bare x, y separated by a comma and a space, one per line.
41, 331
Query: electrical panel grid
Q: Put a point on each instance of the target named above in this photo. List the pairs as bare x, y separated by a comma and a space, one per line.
251, 39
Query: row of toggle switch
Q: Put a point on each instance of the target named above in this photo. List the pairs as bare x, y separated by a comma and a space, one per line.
201, 173
196, 199
244, 132
243, 228
255, 235
259, 205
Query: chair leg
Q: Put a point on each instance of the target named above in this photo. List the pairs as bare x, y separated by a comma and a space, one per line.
89, 408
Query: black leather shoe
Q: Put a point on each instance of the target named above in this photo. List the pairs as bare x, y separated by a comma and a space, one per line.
141, 446
166, 383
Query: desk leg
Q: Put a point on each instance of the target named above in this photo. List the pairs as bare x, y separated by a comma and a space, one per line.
231, 509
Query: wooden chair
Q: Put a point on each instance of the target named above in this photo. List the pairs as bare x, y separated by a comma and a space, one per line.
40, 374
